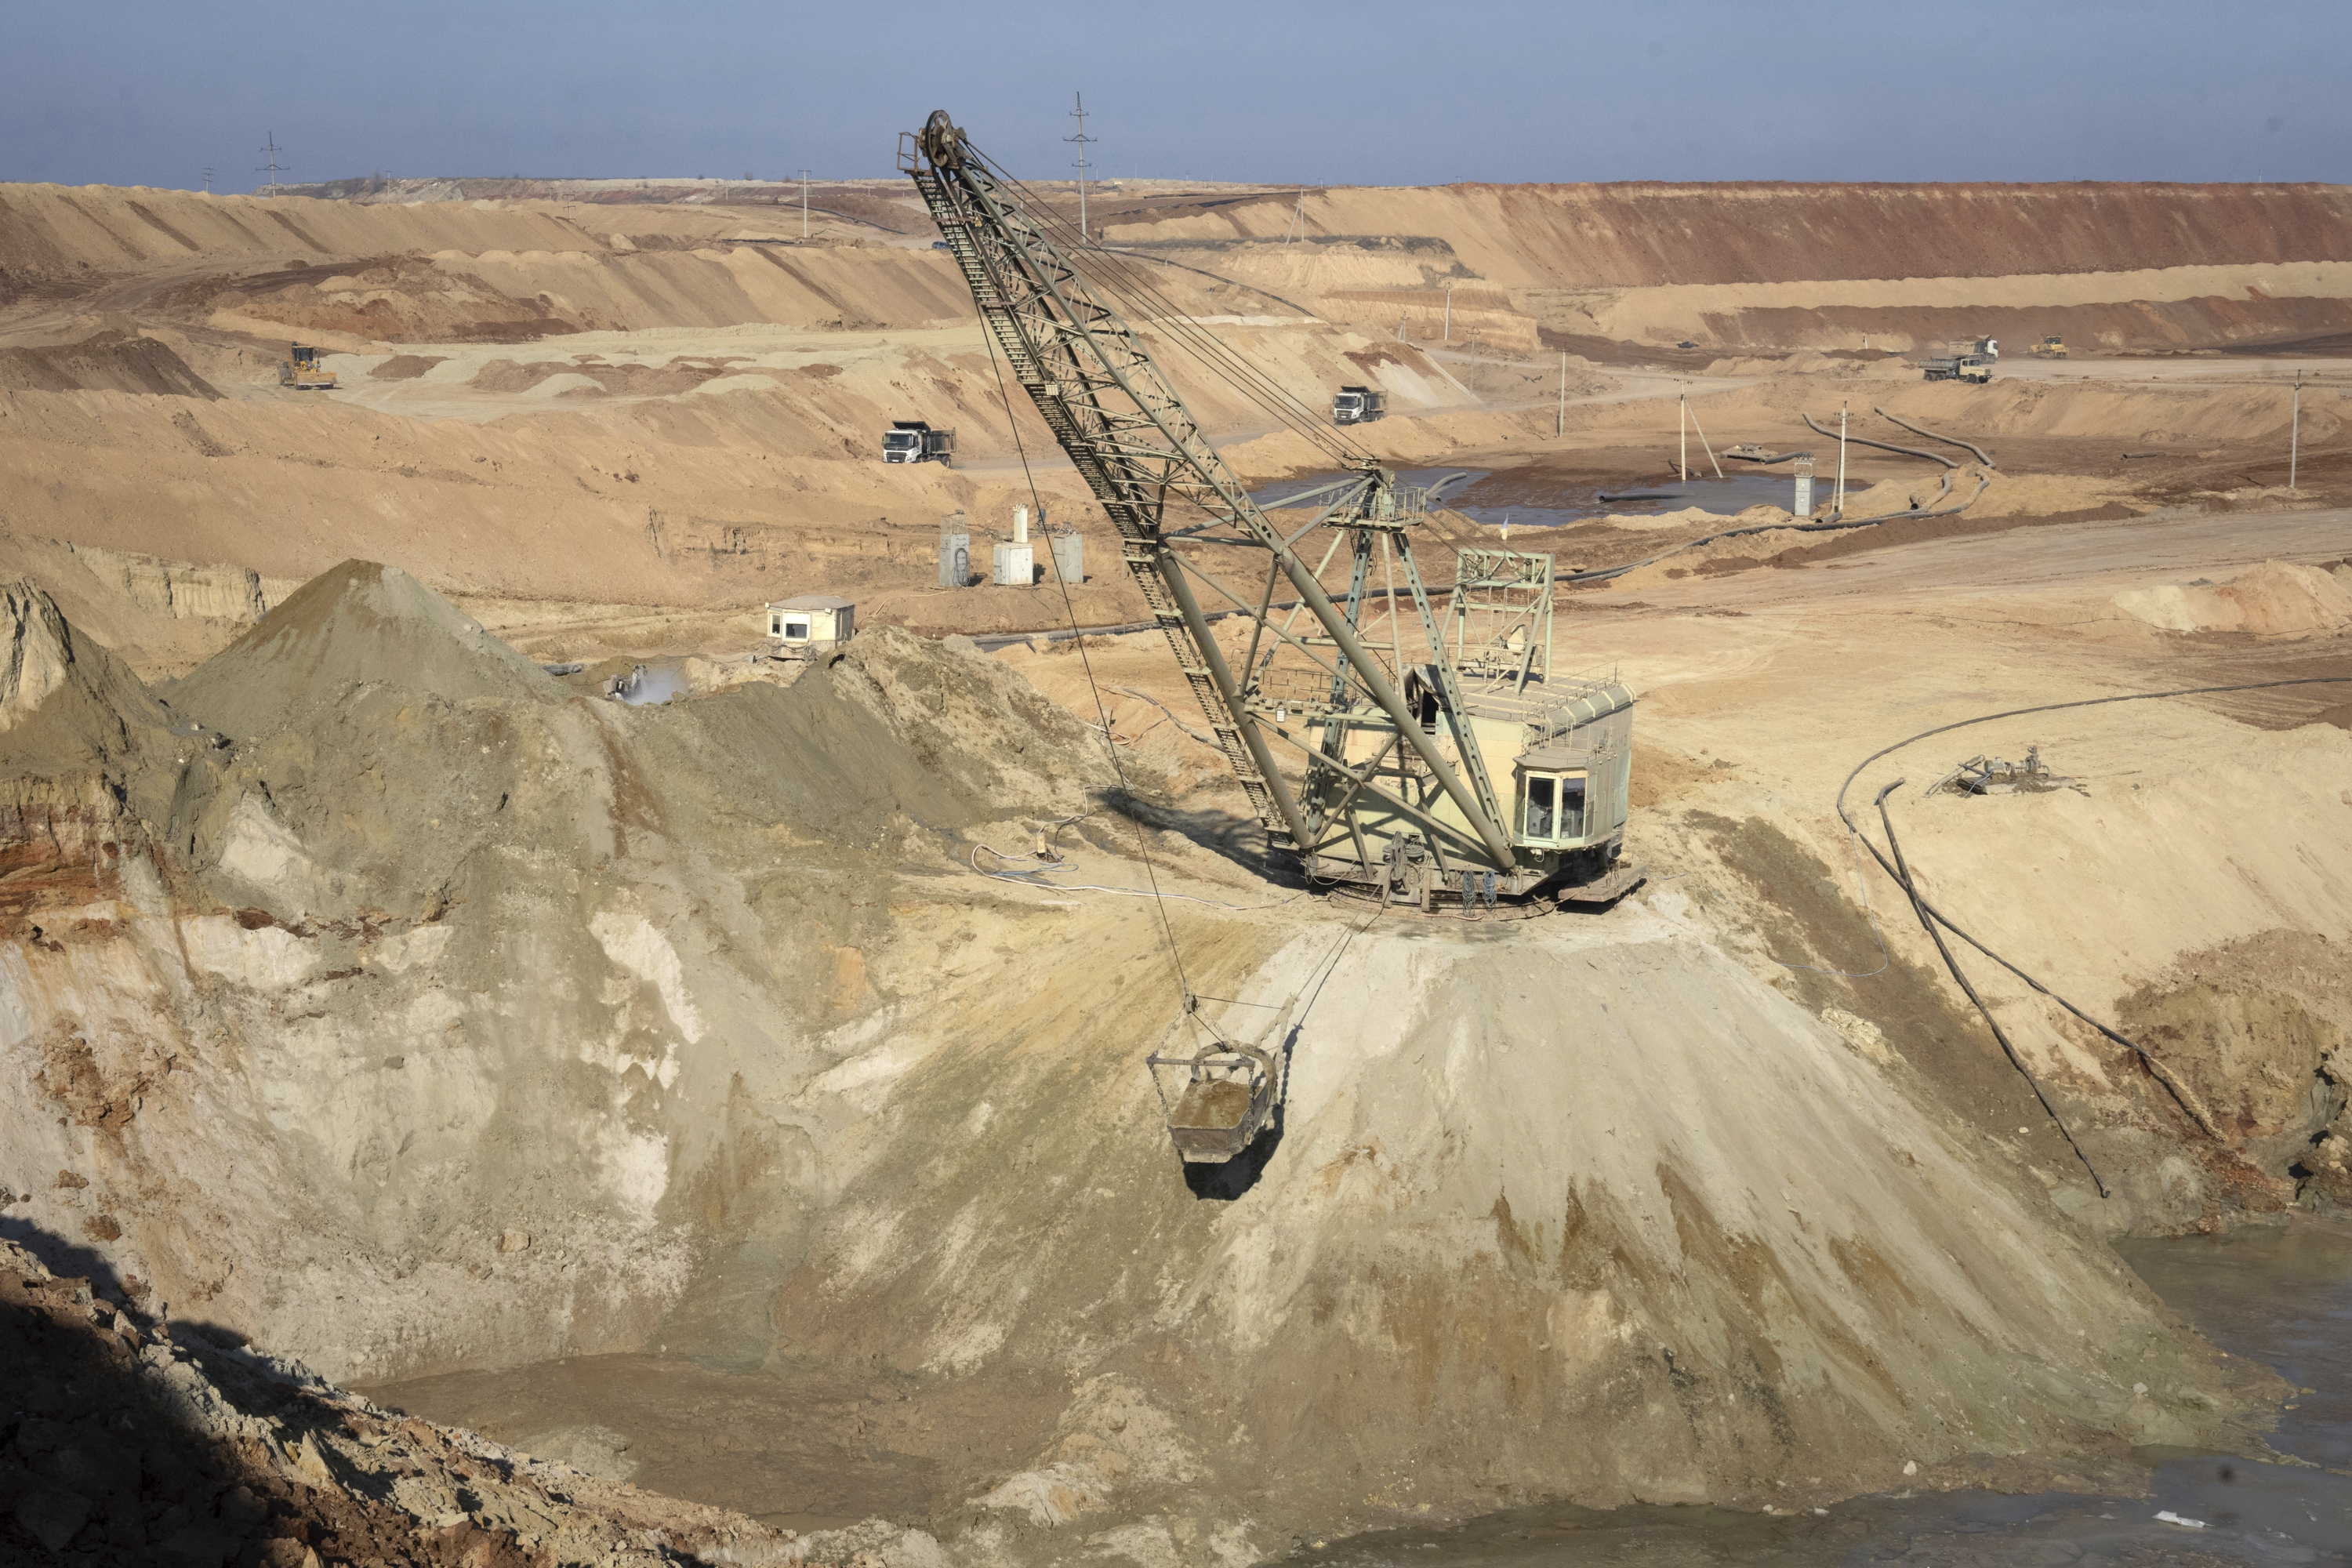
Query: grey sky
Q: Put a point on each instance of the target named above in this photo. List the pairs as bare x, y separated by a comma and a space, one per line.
1363, 92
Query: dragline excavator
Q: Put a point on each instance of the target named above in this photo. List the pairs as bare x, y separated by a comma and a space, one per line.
1437, 756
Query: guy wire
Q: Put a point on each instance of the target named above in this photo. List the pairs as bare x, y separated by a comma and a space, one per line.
1116, 276
1102, 710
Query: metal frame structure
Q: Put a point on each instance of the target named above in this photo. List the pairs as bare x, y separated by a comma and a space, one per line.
1356, 690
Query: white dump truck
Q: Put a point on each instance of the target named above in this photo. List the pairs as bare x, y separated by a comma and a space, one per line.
1967, 359
1356, 406
913, 441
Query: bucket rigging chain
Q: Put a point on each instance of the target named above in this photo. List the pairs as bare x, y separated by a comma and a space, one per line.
1141, 451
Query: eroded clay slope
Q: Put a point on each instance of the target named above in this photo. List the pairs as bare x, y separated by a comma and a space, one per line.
394, 1002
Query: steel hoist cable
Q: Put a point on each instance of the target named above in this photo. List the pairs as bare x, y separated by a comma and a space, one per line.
1115, 274
1102, 710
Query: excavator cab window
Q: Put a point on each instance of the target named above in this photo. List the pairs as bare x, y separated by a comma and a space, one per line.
1539, 808
1572, 808
1553, 806
1421, 697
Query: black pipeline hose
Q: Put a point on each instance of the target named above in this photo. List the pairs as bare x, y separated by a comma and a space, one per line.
1902, 878
1932, 916
1882, 446
1982, 456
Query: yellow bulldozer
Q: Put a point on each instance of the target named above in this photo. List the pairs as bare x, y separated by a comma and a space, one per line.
2051, 347
300, 369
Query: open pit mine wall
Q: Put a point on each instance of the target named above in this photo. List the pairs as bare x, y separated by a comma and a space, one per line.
2121, 266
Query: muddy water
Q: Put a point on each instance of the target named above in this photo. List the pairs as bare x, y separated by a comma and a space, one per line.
2282, 1297
811, 1449
804, 1447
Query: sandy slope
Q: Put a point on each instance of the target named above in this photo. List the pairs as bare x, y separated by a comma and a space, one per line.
520, 1025
462, 1021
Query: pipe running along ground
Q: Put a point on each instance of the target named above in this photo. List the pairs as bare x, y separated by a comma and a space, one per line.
1603, 573
1897, 869
1982, 456
1883, 445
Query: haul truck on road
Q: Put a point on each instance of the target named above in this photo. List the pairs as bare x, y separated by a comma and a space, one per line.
1356, 406
913, 441
1968, 359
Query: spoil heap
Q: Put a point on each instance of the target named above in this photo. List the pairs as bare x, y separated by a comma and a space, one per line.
440, 1017
1570, 1212
429, 1014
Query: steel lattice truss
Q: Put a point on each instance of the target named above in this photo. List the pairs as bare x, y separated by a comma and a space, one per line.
1144, 455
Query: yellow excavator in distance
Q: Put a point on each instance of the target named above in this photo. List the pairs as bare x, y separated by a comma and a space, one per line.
2051, 347
300, 369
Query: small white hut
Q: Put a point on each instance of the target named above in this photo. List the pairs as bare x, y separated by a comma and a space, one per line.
811, 623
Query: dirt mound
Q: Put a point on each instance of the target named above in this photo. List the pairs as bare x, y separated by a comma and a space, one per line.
473, 876
1548, 1173
58, 230
392, 299
65, 703
360, 625
105, 361
404, 367
969, 721
2276, 599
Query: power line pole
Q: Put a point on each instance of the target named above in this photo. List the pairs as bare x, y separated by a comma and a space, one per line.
1559, 424
1840, 511
1449, 313
273, 168
208, 182
804, 180
1079, 114
2294, 436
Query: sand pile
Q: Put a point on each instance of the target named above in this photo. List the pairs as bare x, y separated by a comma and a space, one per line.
361, 624
480, 964
1539, 1226
2276, 599
108, 360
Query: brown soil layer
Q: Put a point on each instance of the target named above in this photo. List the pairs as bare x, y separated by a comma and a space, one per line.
1643, 233
105, 361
